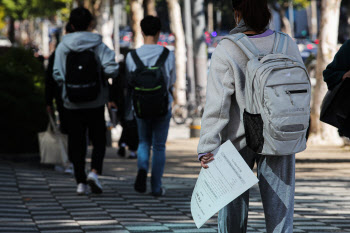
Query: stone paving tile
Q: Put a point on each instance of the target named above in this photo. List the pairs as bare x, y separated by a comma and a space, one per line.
56, 224
17, 225
62, 231
107, 231
41, 199
52, 217
101, 227
202, 230
17, 229
92, 218
147, 228
136, 223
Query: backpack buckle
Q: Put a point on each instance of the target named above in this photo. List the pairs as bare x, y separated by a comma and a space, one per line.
261, 56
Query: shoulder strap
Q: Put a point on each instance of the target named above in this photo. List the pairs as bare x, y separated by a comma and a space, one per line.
162, 58
243, 42
280, 44
137, 60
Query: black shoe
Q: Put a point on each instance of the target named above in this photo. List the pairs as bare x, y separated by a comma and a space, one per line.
121, 151
161, 193
141, 181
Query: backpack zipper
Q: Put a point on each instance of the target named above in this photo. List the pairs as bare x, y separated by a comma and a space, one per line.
297, 91
292, 92
290, 97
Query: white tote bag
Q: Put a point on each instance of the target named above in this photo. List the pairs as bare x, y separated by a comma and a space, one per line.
53, 145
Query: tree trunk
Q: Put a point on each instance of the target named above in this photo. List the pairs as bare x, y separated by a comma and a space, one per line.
291, 17
210, 16
89, 5
11, 30
45, 39
136, 17
105, 23
117, 11
218, 20
189, 43
348, 16
285, 24
200, 47
150, 7
180, 50
320, 132
313, 20
31, 30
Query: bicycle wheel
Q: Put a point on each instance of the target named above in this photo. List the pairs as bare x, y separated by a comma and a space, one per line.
180, 114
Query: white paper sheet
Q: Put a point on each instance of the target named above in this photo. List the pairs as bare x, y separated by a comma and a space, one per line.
227, 177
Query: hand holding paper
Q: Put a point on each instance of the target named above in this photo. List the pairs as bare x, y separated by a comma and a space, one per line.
227, 177
206, 159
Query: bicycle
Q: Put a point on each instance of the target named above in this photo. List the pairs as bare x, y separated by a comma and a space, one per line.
191, 110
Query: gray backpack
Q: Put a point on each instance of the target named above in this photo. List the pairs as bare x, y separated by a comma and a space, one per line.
277, 95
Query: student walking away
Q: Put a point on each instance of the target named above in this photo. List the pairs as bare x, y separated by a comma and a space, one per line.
336, 110
82, 65
129, 137
53, 92
257, 75
151, 75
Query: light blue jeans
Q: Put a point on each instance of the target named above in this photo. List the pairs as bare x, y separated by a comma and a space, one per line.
153, 133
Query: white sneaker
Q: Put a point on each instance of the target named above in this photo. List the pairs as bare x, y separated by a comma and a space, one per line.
94, 184
161, 193
69, 169
59, 168
81, 189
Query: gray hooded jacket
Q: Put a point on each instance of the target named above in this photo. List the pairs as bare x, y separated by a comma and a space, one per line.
225, 100
80, 41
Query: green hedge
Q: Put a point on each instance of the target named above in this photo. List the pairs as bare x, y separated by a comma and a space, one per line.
22, 102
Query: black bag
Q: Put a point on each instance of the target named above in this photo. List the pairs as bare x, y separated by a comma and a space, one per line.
335, 109
83, 76
150, 94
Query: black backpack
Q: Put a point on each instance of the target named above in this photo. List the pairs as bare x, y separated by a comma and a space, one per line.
150, 94
83, 76
335, 108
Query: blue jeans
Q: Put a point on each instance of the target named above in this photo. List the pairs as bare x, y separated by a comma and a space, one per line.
153, 132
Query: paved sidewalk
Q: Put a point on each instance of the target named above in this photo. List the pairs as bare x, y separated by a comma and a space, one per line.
35, 198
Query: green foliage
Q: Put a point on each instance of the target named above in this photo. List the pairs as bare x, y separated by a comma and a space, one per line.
2, 17
23, 9
22, 101
46, 8
301, 3
127, 7
296, 3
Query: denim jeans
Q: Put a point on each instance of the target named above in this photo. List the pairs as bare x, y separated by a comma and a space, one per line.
153, 133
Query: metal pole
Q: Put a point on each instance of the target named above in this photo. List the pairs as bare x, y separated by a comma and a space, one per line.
189, 42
